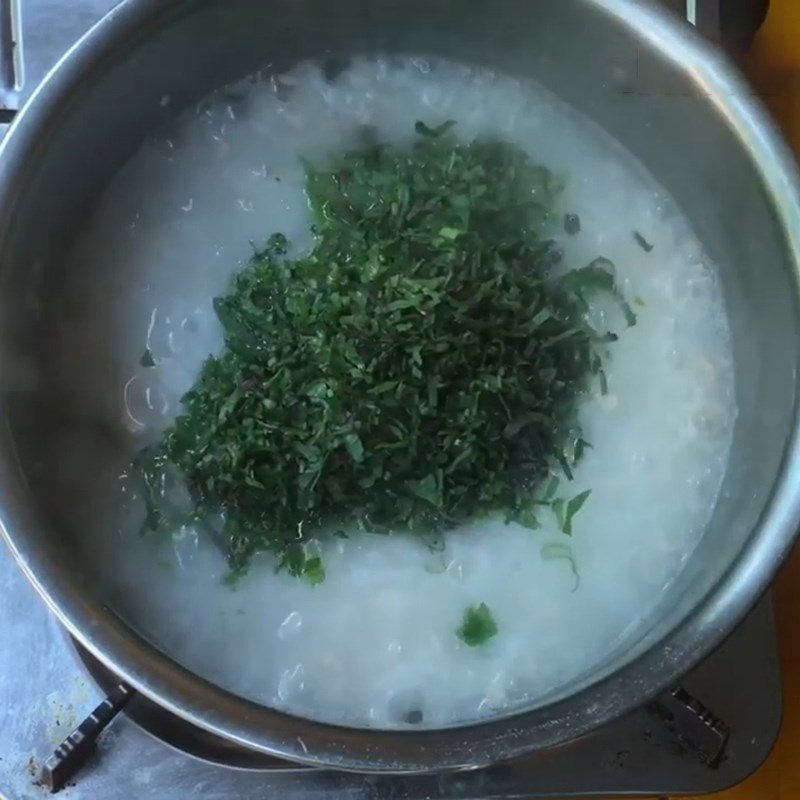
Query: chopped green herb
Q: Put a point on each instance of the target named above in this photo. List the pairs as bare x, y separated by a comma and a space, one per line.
550, 489
565, 510
478, 626
147, 359
313, 571
298, 563
642, 242
419, 368
597, 278
572, 224
527, 517
555, 551
423, 130
603, 382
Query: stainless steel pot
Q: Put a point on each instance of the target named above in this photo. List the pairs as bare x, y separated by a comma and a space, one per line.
674, 102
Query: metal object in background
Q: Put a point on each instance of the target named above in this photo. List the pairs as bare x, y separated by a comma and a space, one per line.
739, 20
731, 23
34, 34
12, 63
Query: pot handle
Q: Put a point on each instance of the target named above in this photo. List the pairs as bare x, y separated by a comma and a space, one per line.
72, 753
693, 724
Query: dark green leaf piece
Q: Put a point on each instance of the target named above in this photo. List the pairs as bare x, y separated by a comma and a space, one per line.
298, 563
572, 224
565, 510
478, 626
147, 359
642, 242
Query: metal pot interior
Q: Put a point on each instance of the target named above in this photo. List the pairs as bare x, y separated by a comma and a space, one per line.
664, 96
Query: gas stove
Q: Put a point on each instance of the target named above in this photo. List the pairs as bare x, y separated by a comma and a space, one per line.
711, 734
706, 735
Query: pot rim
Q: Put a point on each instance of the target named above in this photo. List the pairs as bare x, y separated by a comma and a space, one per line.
306, 741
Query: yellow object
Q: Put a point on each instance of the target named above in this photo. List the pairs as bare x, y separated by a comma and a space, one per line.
773, 65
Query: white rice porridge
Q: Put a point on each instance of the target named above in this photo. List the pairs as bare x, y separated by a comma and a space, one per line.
375, 643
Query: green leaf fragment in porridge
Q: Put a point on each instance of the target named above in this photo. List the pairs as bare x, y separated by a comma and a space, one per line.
598, 278
313, 571
423, 130
420, 367
642, 242
147, 359
558, 551
300, 564
478, 626
527, 517
572, 224
565, 510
